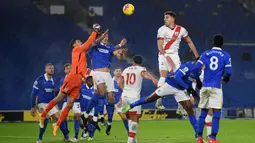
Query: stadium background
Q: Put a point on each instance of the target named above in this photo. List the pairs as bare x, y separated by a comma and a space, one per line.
34, 32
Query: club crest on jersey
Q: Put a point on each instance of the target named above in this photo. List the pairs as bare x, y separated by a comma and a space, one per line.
176, 33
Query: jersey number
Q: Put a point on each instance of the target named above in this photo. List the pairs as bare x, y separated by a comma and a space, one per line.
214, 63
131, 78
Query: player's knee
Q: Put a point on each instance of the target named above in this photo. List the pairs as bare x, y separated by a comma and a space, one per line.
133, 126
69, 105
77, 116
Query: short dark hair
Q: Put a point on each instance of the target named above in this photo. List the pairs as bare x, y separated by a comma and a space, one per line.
138, 59
66, 65
170, 13
72, 42
49, 64
218, 40
89, 78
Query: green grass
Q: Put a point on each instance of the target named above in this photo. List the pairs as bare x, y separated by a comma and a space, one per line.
161, 131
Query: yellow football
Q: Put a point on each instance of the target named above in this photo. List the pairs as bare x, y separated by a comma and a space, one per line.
128, 9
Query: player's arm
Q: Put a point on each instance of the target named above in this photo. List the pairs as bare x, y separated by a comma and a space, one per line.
148, 76
160, 42
99, 39
192, 46
121, 44
181, 72
228, 69
201, 61
85, 46
121, 83
34, 97
185, 36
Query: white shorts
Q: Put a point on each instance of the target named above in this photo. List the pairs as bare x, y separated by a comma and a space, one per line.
75, 109
127, 100
104, 77
91, 113
166, 89
211, 98
41, 107
118, 109
164, 65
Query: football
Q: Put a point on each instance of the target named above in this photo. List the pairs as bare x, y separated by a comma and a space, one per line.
128, 9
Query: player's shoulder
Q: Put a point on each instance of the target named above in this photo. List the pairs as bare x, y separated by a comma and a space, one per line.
226, 53
162, 28
41, 77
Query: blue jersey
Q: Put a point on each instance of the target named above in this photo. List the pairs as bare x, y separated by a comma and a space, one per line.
184, 76
101, 55
118, 92
217, 62
60, 84
43, 90
85, 97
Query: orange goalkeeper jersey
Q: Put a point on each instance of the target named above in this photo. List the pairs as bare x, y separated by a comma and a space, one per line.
79, 62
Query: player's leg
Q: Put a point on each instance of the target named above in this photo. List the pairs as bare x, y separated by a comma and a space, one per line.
65, 121
77, 119
100, 111
208, 122
63, 126
91, 128
64, 113
98, 95
164, 90
50, 105
163, 70
123, 117
133, 126
187, 105
203, 105
110, 112
41, 107
215, 103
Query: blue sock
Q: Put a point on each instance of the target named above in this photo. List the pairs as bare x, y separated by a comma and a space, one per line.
76, 128
126, 124
201, 122
193, 122
110, 111
96, 98
139, 102
42, 130
66, 123
215, 124
91, 130
64, 129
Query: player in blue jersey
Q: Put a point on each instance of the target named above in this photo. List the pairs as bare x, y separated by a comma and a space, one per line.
176, 84
217, 68
76, 109
101, 54
117, 103
42, 93
87, 90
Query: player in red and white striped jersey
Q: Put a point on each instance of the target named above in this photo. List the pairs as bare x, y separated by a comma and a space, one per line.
169, 38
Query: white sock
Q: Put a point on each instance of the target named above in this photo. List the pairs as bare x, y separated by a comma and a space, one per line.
132, 132
161, 81
86, 115
94, 119
109, 123
208, 124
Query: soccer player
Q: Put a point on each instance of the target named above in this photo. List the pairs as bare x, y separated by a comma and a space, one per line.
176, 83
117, 102
131, 85
101, 54
217, 66
87, 90
72, 83
42, 93
169, 38
76, 109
